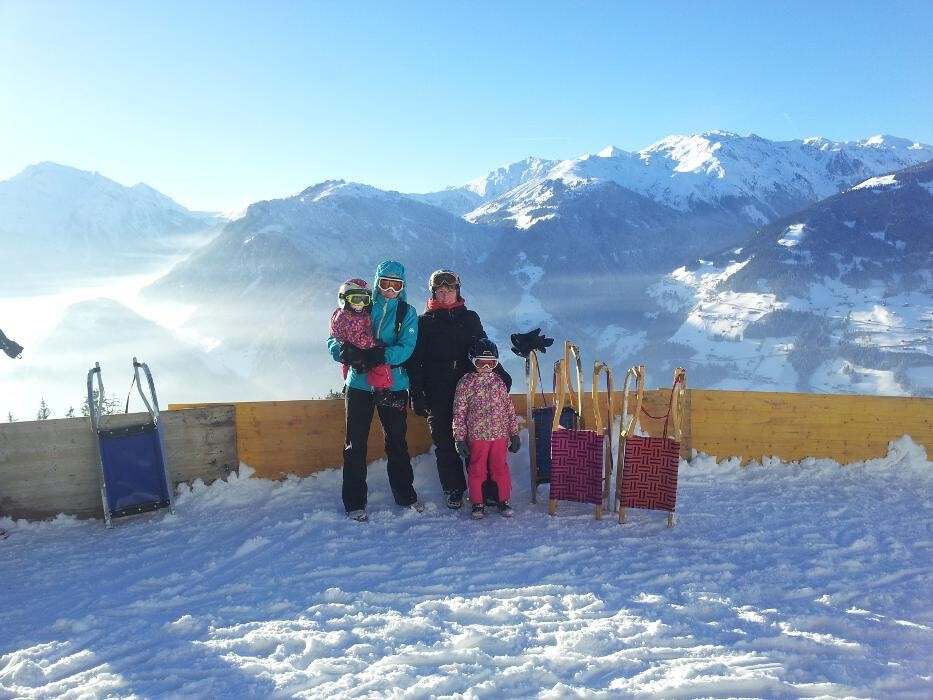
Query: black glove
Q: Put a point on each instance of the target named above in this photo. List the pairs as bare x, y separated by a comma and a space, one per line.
419, 404
12, 349
515, 443
463, 449
374, 357
524, 343
352, 356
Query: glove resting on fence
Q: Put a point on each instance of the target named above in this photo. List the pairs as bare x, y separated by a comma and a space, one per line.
524, 343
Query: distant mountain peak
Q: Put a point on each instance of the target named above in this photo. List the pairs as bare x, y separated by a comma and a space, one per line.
509, 176
475, 193
612, 152
64, 183
887, 141
57, 213
341, 188
320, 188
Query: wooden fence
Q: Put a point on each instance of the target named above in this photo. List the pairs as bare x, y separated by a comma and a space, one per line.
51, 466
845, 428
278, 438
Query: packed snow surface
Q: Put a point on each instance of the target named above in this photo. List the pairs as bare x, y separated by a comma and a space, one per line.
779, 580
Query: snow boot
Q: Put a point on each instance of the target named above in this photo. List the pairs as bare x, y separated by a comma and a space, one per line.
455, 500
479, 511
358, 515
505, 510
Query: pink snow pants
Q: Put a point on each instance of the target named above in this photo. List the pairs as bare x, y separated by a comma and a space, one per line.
488, 457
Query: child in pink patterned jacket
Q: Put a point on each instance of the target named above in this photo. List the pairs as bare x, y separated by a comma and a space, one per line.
484, 426
351, 323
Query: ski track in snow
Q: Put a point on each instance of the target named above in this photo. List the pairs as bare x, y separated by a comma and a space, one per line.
779, 580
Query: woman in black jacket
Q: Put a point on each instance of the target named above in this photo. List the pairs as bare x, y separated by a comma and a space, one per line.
446, 330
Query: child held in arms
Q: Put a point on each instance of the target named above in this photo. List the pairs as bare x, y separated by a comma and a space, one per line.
484, 427
351, 323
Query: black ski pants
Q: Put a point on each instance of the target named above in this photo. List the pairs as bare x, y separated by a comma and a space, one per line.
449, 465
359, 412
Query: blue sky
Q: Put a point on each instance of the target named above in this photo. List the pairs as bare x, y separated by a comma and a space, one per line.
218, 104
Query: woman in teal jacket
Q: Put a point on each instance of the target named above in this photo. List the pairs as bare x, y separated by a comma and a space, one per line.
395, 326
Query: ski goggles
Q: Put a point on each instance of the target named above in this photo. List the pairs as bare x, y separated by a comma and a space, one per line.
358, 298
387, 283
444, 279
485, 363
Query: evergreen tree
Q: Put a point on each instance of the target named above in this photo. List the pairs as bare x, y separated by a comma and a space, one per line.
10, 418
107, 406
71, 412
44, 411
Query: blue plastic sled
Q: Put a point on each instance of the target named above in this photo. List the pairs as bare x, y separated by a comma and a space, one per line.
134, 470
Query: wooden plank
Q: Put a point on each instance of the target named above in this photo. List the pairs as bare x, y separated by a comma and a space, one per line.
792, 426
51, 466
278, 438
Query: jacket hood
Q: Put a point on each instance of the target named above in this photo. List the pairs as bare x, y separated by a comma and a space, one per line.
391, 268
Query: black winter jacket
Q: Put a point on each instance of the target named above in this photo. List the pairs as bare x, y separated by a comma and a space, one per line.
440, 356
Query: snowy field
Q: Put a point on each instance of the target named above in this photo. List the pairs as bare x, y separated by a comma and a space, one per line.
779, 581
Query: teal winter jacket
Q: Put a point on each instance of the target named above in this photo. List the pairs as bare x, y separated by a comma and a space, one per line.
398, 345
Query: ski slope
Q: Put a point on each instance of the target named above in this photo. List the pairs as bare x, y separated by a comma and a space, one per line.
779, 580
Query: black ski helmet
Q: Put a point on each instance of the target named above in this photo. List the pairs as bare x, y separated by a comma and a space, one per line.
483, 348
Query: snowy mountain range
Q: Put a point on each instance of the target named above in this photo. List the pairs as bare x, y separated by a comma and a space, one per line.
59, 224
837, 297
805, 247
686, 195
757, 178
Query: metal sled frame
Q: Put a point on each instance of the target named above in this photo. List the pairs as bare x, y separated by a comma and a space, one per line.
135, 450
676, 417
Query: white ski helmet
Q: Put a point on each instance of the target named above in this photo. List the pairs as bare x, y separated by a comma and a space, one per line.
351, 287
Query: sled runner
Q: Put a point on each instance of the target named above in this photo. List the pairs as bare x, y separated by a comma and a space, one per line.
605, 430
132, 455
647, 477
576, 453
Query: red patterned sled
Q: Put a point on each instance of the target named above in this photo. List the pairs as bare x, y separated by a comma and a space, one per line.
576, 454
647, 477
577, 466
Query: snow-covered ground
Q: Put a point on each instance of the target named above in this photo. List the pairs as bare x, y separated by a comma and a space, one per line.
779, 580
